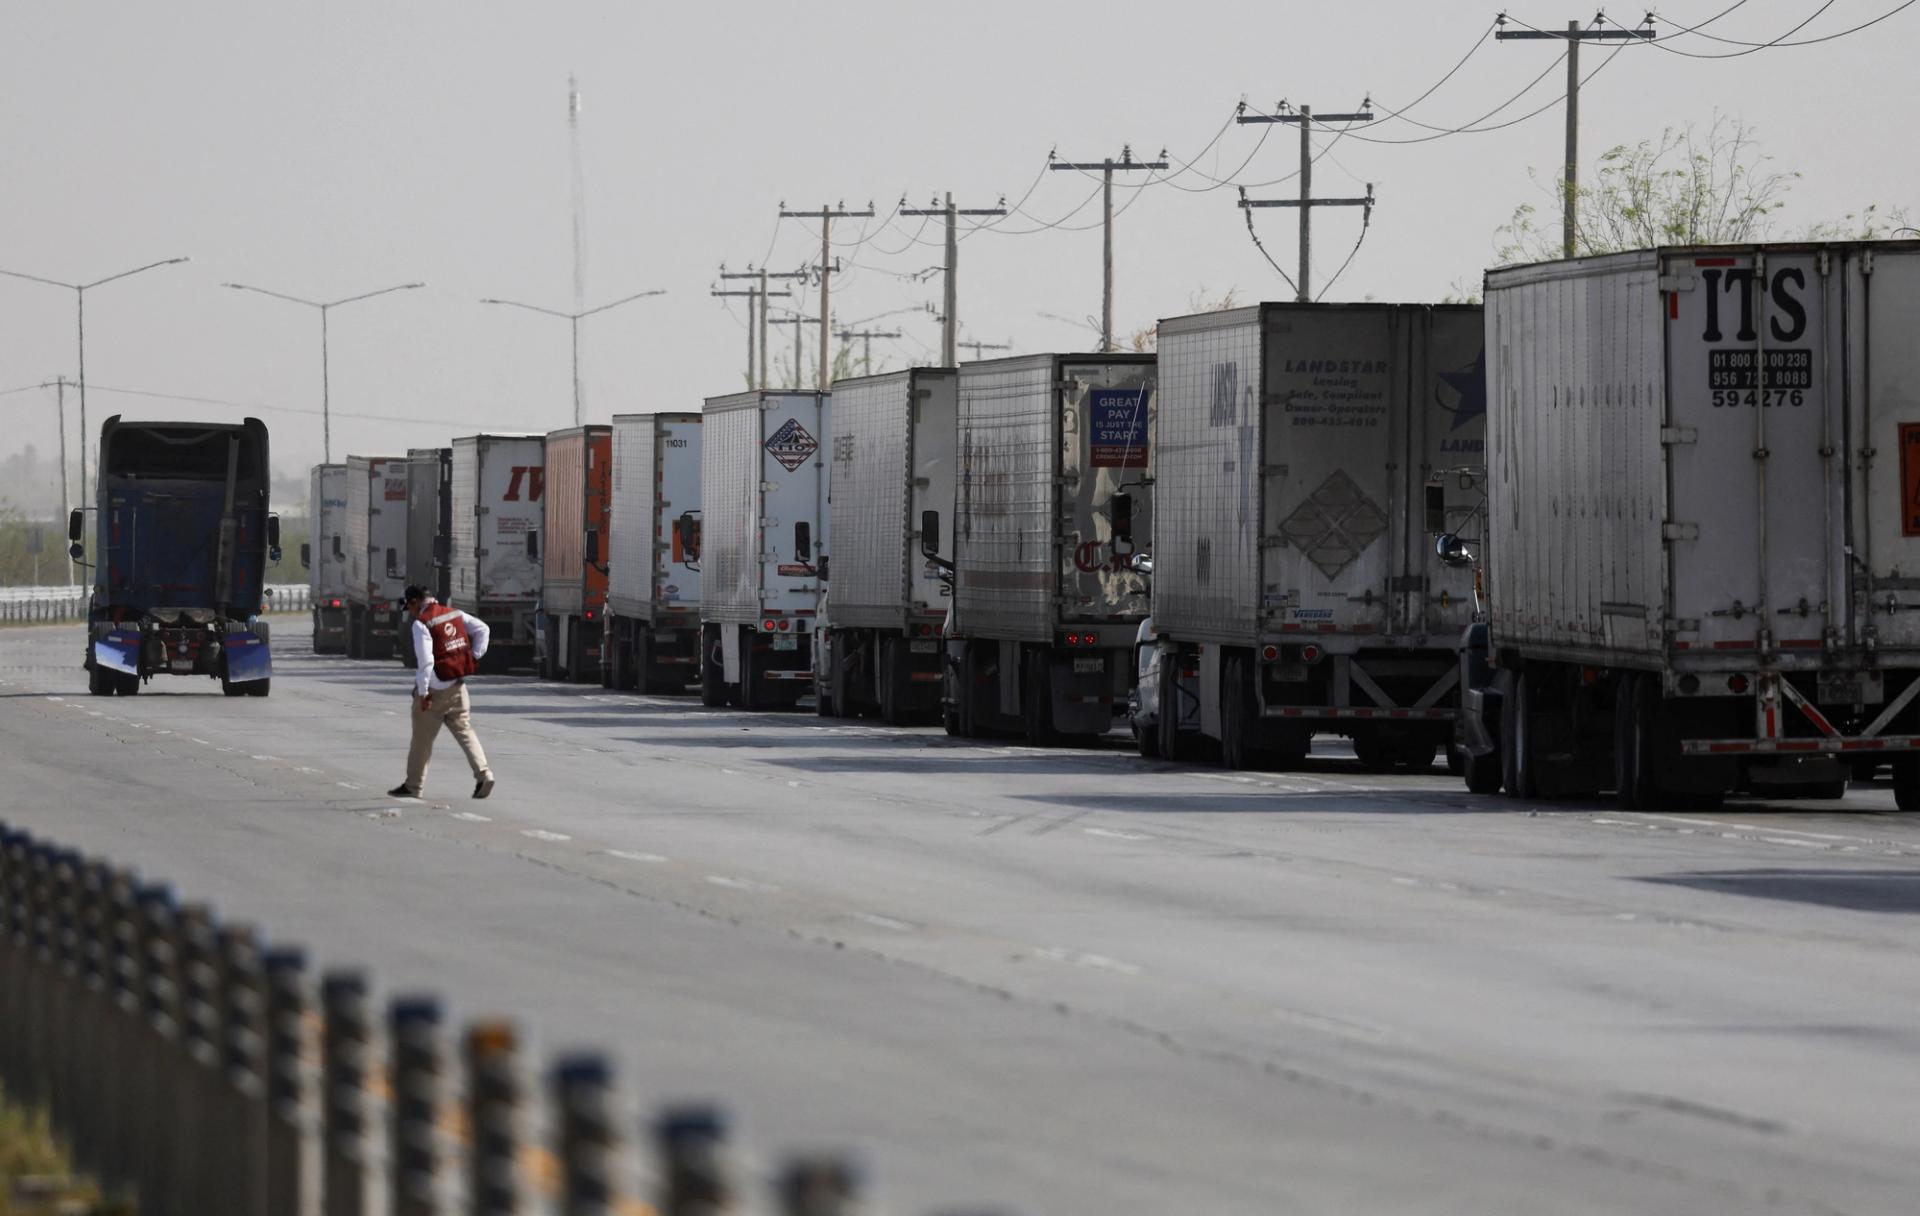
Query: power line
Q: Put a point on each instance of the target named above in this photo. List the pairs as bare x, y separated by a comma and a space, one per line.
826, 215
1108, 168
951, 305
1306, 202
1775, 43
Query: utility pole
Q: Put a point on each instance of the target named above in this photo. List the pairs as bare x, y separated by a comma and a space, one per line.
950, 322
761, 294
866, 337
1574, 35
799, 324
1306, 202
1107, 168
763, 274
977, 347
826, 215
60, 404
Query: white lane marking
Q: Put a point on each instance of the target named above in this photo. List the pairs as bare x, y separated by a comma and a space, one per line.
166, 732
885, 922
347, 785
1081, 958
740, 884
471, 817
301, 768
56, 698
270, 759
94, 713
731, 772
793, 785
1799, 844
385, 812
543, 834
1110, 835
624, 855
1748, 827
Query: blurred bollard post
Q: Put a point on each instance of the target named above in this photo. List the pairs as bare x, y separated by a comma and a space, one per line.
695, 1174
63, 988
820, 1186
196, 1090
291, 1186
125, 1024
155, 1052
91, 1021
493, 1098
581, 1087
413, 1048
40, 968
344, 1058
240, 1179
13, 979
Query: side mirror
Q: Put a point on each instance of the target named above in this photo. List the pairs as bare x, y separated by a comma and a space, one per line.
533, 546
1120, 511
686, 530
76, 551
393, 564
802, 541
1141, 563
1451, 550
339, 554
273, 531
930, 534
306, 554
274, 554
76, 524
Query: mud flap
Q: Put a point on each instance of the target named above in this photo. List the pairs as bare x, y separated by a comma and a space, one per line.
118, 651
248, 658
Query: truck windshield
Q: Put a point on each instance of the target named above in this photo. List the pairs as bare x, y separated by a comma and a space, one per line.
179, 453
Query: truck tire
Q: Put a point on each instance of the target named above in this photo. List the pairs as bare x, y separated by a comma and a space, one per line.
970, 711
125, 685
1482, 773
1516, 738
1636, 768
1371, 751
713, 684
1906, 782
1174, 746
892, 663
840, 702
99, 681
259, 688
748, 694
1415, 755
1237, 749
1036, 700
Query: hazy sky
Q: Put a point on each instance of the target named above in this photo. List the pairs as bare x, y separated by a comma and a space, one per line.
329, 149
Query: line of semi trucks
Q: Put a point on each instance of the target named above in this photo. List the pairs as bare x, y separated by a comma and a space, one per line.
1646, 522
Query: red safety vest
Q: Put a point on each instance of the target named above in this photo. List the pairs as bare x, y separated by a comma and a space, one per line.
452, 648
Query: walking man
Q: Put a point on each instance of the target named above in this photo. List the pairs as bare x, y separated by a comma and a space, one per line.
447, 647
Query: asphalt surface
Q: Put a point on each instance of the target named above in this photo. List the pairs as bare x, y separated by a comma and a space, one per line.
1057, 982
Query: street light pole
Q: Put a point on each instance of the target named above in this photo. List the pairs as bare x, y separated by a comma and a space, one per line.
79, 291
326, 388
574, 319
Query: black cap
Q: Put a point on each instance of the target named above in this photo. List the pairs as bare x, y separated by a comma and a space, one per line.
413, 592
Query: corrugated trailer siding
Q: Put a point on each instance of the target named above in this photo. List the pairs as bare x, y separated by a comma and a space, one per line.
1206, 554
1004, 543
564, 529
326, 507
869, 491
360, 475
1887, 401
466, 496
730, 459
630, 574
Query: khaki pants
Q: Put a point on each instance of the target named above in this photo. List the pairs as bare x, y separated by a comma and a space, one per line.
448, 707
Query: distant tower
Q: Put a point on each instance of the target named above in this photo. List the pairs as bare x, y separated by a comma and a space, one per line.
579, 209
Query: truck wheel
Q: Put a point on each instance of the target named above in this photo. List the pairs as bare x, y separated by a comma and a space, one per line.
972, 712
1634, 767
1036, 696
1482, 773
1174, 746
1906, 782
259, 688
891, 657
1237, 749
99, 681
1372, 752
1516, 738
713, 685
1415, 755
748, 694
840, 703
126, 685
611, 652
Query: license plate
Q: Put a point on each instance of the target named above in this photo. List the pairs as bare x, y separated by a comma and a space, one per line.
785, 641
923, 646
1085, 665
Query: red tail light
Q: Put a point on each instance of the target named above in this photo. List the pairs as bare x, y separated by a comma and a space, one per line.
785, 625
1310, 654
1270, 653
1737, 683
767, 625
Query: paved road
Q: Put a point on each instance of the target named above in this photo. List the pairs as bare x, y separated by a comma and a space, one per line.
1060, 982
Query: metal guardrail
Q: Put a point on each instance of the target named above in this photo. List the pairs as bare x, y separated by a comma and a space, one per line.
48, 604
193, 1068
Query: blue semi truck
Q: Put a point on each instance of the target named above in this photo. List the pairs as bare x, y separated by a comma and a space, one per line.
181, 542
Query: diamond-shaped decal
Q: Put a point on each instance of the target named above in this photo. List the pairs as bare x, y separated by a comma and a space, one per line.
1335, 524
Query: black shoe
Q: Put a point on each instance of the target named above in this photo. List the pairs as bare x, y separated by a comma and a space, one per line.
401, 791
483, 786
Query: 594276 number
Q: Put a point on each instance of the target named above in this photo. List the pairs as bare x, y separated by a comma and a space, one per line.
1772, 398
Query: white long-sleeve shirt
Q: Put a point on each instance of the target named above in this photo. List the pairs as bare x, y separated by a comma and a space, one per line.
423, 678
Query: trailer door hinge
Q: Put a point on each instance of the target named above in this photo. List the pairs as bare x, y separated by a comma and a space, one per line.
1679, 531
1671, 435
921, 483
479, 510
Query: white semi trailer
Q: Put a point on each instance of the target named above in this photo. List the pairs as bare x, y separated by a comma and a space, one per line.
1308, 455
894, 469
1055, 490
325, 556
763, 535
376, 554
652, 635
1703, 540
496, 513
